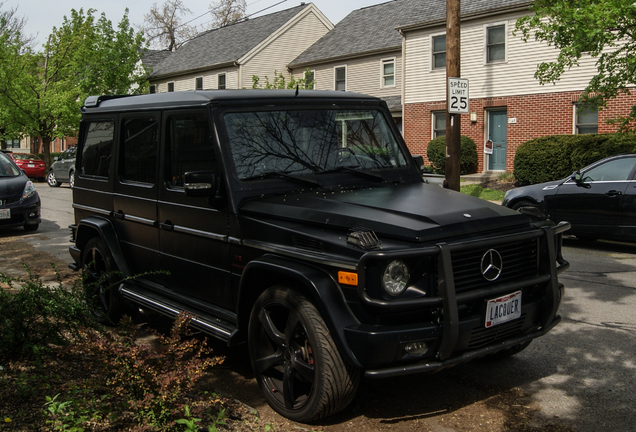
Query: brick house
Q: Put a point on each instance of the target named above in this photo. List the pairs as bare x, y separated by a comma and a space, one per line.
228, 57
507, 104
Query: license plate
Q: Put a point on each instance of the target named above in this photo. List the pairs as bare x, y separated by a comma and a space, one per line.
30, 166
5, 213
503, 309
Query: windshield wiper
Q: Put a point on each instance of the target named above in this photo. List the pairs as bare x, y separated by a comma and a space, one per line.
277, 174
352, 169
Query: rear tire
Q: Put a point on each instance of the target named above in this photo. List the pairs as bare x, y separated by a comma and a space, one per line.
104, 303
295, 360
51, 180
71, 179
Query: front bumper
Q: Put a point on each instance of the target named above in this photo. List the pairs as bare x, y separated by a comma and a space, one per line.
23, 212
455, 337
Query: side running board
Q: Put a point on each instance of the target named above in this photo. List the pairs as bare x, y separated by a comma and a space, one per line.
209, 324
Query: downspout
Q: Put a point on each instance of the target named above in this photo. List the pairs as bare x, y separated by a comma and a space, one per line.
240, 75
403, 89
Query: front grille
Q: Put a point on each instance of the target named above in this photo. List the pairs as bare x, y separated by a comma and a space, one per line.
520, 259
482, 336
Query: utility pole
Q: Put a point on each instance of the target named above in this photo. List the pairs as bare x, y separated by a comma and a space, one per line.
453, 120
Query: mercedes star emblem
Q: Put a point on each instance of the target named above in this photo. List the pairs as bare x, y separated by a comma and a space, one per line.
491, 265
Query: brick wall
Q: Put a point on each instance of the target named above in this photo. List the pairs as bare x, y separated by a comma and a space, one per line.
537, 115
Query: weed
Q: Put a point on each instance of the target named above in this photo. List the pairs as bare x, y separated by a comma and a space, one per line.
506, 177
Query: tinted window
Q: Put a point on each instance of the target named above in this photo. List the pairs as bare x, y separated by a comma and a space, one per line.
7, 167
614, 170
96, 155
310, 141
139, 150
189, 147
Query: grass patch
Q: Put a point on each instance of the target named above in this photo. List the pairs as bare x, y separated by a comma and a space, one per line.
481, 192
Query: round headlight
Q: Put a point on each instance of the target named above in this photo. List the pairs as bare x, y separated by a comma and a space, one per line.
395, 278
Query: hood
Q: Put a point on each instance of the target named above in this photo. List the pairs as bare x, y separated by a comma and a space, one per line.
407, 212
12, 186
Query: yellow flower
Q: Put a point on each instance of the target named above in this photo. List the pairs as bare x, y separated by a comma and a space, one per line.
7, 420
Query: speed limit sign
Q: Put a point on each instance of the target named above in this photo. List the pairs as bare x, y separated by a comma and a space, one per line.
458, 95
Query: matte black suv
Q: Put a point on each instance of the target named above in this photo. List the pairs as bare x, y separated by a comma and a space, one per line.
298, 222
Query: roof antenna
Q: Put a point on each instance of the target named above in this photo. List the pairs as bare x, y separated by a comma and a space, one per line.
296, 90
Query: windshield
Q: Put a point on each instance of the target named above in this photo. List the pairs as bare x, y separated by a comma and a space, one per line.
310, 142
7, 167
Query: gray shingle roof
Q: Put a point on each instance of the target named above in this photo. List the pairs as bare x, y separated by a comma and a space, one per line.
151, 58
374, 28
225, 44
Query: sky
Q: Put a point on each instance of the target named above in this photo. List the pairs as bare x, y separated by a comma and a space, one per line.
43, 15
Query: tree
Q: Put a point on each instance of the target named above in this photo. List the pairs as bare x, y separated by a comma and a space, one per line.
225, 12
604, 30
306, 82
42, 93
13, 42
164, 27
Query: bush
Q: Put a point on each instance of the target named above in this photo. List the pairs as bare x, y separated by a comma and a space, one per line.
557, 156
34, 316
436, 153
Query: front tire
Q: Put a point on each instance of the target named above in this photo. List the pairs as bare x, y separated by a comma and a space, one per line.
105, 305
295, 360
71, 179
51, 180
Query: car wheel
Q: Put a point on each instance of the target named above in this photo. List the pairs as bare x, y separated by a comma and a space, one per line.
295, 360
31, 227
504, 354
51, 180
71, 179
100, 277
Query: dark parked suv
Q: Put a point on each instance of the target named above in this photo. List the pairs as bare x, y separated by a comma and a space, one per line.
297, 222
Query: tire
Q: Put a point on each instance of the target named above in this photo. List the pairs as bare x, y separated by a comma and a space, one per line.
51, 180
296, 362
507, 353
104, 304
71, 179
31, 227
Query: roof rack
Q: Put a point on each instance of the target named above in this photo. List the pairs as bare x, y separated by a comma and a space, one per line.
94, 101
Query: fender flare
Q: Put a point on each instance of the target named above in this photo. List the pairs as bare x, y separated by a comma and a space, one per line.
95, 226
322, 290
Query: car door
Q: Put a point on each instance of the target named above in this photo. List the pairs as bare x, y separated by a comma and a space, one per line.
629, 210
193, 234
66, 162
135, 192
594, 205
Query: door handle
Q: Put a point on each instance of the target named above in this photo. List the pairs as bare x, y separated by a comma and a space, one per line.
613, 193
167, 225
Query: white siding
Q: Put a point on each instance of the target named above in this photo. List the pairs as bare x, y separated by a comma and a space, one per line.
515, 76
277, 54
364, 75
187, 82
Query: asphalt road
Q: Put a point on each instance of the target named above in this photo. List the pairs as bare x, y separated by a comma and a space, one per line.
582, 374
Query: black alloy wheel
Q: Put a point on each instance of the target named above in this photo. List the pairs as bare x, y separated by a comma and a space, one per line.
295, 360
99, 282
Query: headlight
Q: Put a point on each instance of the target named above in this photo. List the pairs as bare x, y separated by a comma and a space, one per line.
396, 277
29, 190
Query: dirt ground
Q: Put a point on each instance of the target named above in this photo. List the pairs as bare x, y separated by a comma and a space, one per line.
376, 407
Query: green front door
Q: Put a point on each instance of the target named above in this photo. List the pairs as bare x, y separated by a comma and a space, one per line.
497, 133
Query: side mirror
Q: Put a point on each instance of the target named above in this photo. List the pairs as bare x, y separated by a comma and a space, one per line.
55, 159
418, 160
577, 177
200, 183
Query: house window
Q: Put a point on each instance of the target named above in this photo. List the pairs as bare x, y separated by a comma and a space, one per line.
439, 52
496, 43
153, 89
171, 86
221, 81
310, 78
198, 83
341, 78
586, 119
439, 123
388, 73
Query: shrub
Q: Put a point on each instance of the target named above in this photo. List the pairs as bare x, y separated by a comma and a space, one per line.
34, 316
436, 153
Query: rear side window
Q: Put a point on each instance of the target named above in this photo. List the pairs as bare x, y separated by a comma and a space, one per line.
190, 147
98, 145
139, 150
